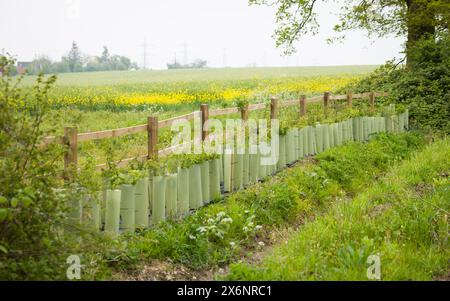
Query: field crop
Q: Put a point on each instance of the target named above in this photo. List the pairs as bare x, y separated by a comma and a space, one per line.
144, 90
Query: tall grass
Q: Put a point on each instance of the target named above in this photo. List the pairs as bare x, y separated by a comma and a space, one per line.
403, 218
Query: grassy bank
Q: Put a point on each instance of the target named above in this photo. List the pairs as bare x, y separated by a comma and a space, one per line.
227, 230
403, 218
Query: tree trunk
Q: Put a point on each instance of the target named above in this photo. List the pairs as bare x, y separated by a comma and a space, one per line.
420, 22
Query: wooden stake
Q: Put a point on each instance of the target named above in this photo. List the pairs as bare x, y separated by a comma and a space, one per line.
71, 154
205, 115
302, 105
372, 100
326, 100
349, 99
273, 108
152, 137
244, 113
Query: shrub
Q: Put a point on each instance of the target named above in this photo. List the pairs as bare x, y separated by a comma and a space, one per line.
424, 88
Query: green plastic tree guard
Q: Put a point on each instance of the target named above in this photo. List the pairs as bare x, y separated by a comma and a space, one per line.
282, 153
356, 128
76, 209
227, 157
183, 192
331, 134
389, 124
254, 168
246, 174
214, 180
141, 203
365, 128
300, 141
326, 136
159, 200
195, 187
319, 138
305, 131
221, 168
127, 208
112, 211
407, 119
262, 170
337, 134
347, 131
312, 140
238, 171
290, 147
204, 168
401, 122
91, 212
171, 196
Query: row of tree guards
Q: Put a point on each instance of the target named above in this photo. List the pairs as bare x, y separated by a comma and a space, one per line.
157, 198
71, 136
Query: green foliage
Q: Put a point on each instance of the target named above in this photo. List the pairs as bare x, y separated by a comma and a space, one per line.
425, 90
344, 164
403, 218
29, 170
35, 234
379, 18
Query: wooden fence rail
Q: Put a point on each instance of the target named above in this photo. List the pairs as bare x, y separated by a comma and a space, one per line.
71, 138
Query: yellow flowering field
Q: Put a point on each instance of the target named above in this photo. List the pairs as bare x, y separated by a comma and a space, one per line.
126, 96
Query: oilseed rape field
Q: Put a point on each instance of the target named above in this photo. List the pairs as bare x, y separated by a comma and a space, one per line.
147, 90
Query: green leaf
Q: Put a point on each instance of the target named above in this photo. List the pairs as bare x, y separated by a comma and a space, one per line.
3, 214
3, 249
3, 200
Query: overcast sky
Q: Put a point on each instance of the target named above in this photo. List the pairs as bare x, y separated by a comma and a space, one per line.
220, 31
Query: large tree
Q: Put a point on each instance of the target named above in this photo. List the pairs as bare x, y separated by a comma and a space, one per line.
413, 19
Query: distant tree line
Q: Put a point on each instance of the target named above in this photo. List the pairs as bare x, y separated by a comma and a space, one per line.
196, 64
76, 61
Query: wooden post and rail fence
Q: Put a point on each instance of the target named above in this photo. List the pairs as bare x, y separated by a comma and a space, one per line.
71, 136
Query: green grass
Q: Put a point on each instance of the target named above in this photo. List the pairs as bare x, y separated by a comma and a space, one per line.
403, 217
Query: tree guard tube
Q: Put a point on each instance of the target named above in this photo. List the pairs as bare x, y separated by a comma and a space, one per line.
171, 196
159, 200
112, 211
195, 187
282, 153
141, 203
214, 180
204, 168
127, 208
183, 192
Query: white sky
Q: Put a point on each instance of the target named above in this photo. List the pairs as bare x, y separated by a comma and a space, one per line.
208, 27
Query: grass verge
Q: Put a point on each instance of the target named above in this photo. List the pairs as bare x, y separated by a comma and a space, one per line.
225, 231
403, 218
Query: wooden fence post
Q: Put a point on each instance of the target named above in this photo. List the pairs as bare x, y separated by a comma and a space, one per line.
273, 108
71, 154
326, 99
349, 99
302, 105
372, 100
205, 115
152, 137
244, 113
